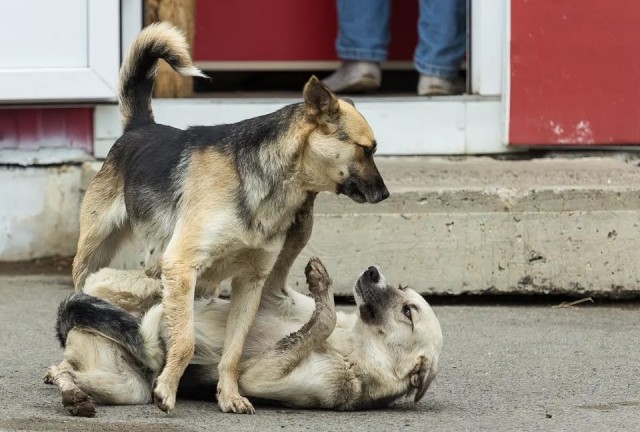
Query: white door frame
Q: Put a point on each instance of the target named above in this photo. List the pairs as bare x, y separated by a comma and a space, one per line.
131, 23
487, 46
97, 81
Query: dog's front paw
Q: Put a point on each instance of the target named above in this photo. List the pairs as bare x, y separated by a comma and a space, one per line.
78, 403
317, 276
164, 397
49, 377
235, 404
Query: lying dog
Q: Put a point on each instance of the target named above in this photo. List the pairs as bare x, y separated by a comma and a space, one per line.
299, 351
215, 202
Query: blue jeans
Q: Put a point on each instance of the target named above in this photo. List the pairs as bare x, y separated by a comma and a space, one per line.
363, 33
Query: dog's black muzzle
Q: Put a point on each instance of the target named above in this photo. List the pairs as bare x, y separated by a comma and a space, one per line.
376, 296
363, 191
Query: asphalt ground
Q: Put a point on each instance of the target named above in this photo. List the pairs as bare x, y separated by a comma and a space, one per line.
517, 367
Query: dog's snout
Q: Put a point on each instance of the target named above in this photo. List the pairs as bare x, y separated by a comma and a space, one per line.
380, 191
385, 192
361, 189
377, 194
373, 274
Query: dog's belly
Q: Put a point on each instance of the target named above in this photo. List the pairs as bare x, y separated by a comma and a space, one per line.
210, 324
238, 259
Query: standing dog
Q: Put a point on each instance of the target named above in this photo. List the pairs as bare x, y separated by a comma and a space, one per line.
215, 202
299, 352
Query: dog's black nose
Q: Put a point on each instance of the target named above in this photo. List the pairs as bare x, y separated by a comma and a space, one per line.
373, 274
385, 193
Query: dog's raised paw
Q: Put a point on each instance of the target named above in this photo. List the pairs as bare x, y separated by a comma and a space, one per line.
78, 403
237, 404
317, 276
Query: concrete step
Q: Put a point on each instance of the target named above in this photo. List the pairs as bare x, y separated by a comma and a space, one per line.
476, 225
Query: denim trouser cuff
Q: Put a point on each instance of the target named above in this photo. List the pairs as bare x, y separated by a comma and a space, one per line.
361, 54
437, 71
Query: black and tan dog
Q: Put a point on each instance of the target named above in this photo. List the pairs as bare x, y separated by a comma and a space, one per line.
215, 202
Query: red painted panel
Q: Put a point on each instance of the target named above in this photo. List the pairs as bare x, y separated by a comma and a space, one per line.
286, 30
36, 128
574, 72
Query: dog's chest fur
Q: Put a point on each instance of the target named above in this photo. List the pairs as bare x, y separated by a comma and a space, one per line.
272, 216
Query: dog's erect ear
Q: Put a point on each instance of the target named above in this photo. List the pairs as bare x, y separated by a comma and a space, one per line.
422, 374
322, 105
349, 101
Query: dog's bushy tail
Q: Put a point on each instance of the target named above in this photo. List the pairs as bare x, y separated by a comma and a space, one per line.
83, 311
137, 74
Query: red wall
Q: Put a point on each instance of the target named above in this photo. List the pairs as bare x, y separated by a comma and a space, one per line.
286, 30
575, 67
35, 128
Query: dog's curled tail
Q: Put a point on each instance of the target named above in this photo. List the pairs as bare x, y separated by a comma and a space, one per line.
137, 74
90, 313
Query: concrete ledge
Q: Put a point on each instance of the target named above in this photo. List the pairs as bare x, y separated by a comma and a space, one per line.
39, 210
483, 226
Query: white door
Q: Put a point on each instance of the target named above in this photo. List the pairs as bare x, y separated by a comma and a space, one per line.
59, 51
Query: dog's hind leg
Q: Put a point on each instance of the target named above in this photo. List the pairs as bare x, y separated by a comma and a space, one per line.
96, 250
178, 289
132, 290
104, 224
76, 401
115, 384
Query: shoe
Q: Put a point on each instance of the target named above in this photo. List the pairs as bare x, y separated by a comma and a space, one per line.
354, 77
436, 86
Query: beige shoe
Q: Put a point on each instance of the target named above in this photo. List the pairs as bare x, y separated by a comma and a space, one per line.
436, 86
354, 77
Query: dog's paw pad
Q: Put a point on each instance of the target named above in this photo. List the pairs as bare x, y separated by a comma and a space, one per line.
317, 275
237, 404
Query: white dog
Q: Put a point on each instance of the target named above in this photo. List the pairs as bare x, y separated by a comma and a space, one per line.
299, 352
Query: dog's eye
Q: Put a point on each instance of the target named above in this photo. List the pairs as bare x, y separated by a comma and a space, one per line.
370, 150
406, 310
